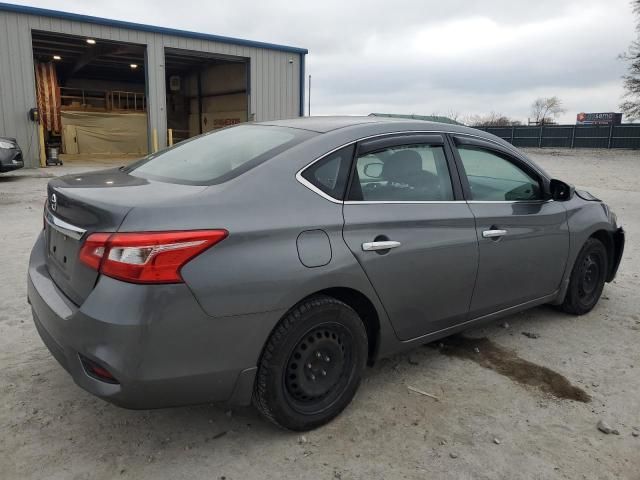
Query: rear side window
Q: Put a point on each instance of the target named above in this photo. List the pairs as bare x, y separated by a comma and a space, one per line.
330, 174
218, 156
409, 173
493, 177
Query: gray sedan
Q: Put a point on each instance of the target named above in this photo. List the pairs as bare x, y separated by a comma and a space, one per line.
272, 262
10, 155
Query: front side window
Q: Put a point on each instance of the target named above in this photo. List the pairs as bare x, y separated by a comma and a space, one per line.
494, 178
218, 156
408, 173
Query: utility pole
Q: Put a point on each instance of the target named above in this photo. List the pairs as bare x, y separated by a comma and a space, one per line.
309, 97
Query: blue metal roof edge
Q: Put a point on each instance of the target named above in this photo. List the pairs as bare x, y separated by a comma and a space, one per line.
9, 7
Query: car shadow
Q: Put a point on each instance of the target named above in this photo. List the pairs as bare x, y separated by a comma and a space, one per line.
8, 178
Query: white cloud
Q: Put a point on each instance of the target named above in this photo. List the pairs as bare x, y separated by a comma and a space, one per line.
416, 56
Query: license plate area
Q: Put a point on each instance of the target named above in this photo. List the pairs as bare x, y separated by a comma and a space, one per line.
61, 250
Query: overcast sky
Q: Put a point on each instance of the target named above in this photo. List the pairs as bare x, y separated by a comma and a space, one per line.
421, 57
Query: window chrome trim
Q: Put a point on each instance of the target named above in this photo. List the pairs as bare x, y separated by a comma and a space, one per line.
400, 202
324, 195
509, 201
312, 187
63, 227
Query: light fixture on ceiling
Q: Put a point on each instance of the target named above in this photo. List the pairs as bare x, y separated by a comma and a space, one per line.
57, 57
134, 65
91, 41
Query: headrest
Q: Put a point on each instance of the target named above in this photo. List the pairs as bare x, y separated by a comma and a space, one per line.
402, 166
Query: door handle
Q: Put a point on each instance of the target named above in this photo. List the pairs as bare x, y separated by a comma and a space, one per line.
494, 233
385, 245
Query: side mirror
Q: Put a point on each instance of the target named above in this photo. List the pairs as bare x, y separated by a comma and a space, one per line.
373, 170
561, 191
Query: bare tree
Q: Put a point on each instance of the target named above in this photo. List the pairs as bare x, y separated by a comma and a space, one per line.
631, 103
454, 114
450, 114
544, 110
492, 119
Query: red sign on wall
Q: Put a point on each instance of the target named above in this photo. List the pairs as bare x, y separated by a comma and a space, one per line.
225, 122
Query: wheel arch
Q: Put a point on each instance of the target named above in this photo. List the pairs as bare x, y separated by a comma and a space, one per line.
612, 247
601, 232
362, 305
367, 312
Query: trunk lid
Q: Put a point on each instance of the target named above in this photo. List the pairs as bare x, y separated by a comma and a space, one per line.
79, 205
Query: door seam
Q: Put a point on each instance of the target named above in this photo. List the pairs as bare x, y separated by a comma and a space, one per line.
364, 271
475, 282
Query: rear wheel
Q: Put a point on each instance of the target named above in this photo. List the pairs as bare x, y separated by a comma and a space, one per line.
311, 365
587, 278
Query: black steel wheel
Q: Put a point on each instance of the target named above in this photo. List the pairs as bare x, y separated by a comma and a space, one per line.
311, 365
319, 367
587, 278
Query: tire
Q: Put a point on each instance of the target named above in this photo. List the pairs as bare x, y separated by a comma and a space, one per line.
587, 278
311, 365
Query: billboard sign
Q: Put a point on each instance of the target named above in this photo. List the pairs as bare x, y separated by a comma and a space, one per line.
598, 118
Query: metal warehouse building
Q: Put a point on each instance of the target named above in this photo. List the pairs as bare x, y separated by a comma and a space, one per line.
105, 88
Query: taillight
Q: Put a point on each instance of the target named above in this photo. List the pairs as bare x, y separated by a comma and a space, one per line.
93, 249
146, 257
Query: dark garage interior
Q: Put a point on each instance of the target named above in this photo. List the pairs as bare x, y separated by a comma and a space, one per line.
204, 92
91, 96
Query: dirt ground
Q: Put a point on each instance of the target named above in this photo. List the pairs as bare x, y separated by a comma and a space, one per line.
499, 414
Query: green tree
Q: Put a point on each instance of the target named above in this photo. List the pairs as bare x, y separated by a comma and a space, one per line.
631, 104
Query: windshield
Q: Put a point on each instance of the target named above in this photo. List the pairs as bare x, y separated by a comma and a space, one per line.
218, 156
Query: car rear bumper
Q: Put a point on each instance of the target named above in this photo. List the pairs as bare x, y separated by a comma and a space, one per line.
156, 341
10, 159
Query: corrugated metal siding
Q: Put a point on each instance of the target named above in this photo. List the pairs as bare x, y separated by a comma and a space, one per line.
17, 85
274, 82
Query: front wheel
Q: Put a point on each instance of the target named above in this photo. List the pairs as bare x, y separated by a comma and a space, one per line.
587, 278
311, 365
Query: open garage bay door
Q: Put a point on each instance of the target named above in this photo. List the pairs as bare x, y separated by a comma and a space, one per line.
91, 96
204, 92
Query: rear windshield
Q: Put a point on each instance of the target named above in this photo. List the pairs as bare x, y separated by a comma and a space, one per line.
218, 156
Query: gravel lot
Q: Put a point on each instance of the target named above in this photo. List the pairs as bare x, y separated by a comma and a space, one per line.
485, 424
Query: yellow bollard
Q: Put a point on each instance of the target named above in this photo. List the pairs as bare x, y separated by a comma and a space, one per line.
43, 153
155, 140
171, 137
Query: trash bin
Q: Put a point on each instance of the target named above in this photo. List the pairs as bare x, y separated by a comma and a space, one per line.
52, 156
